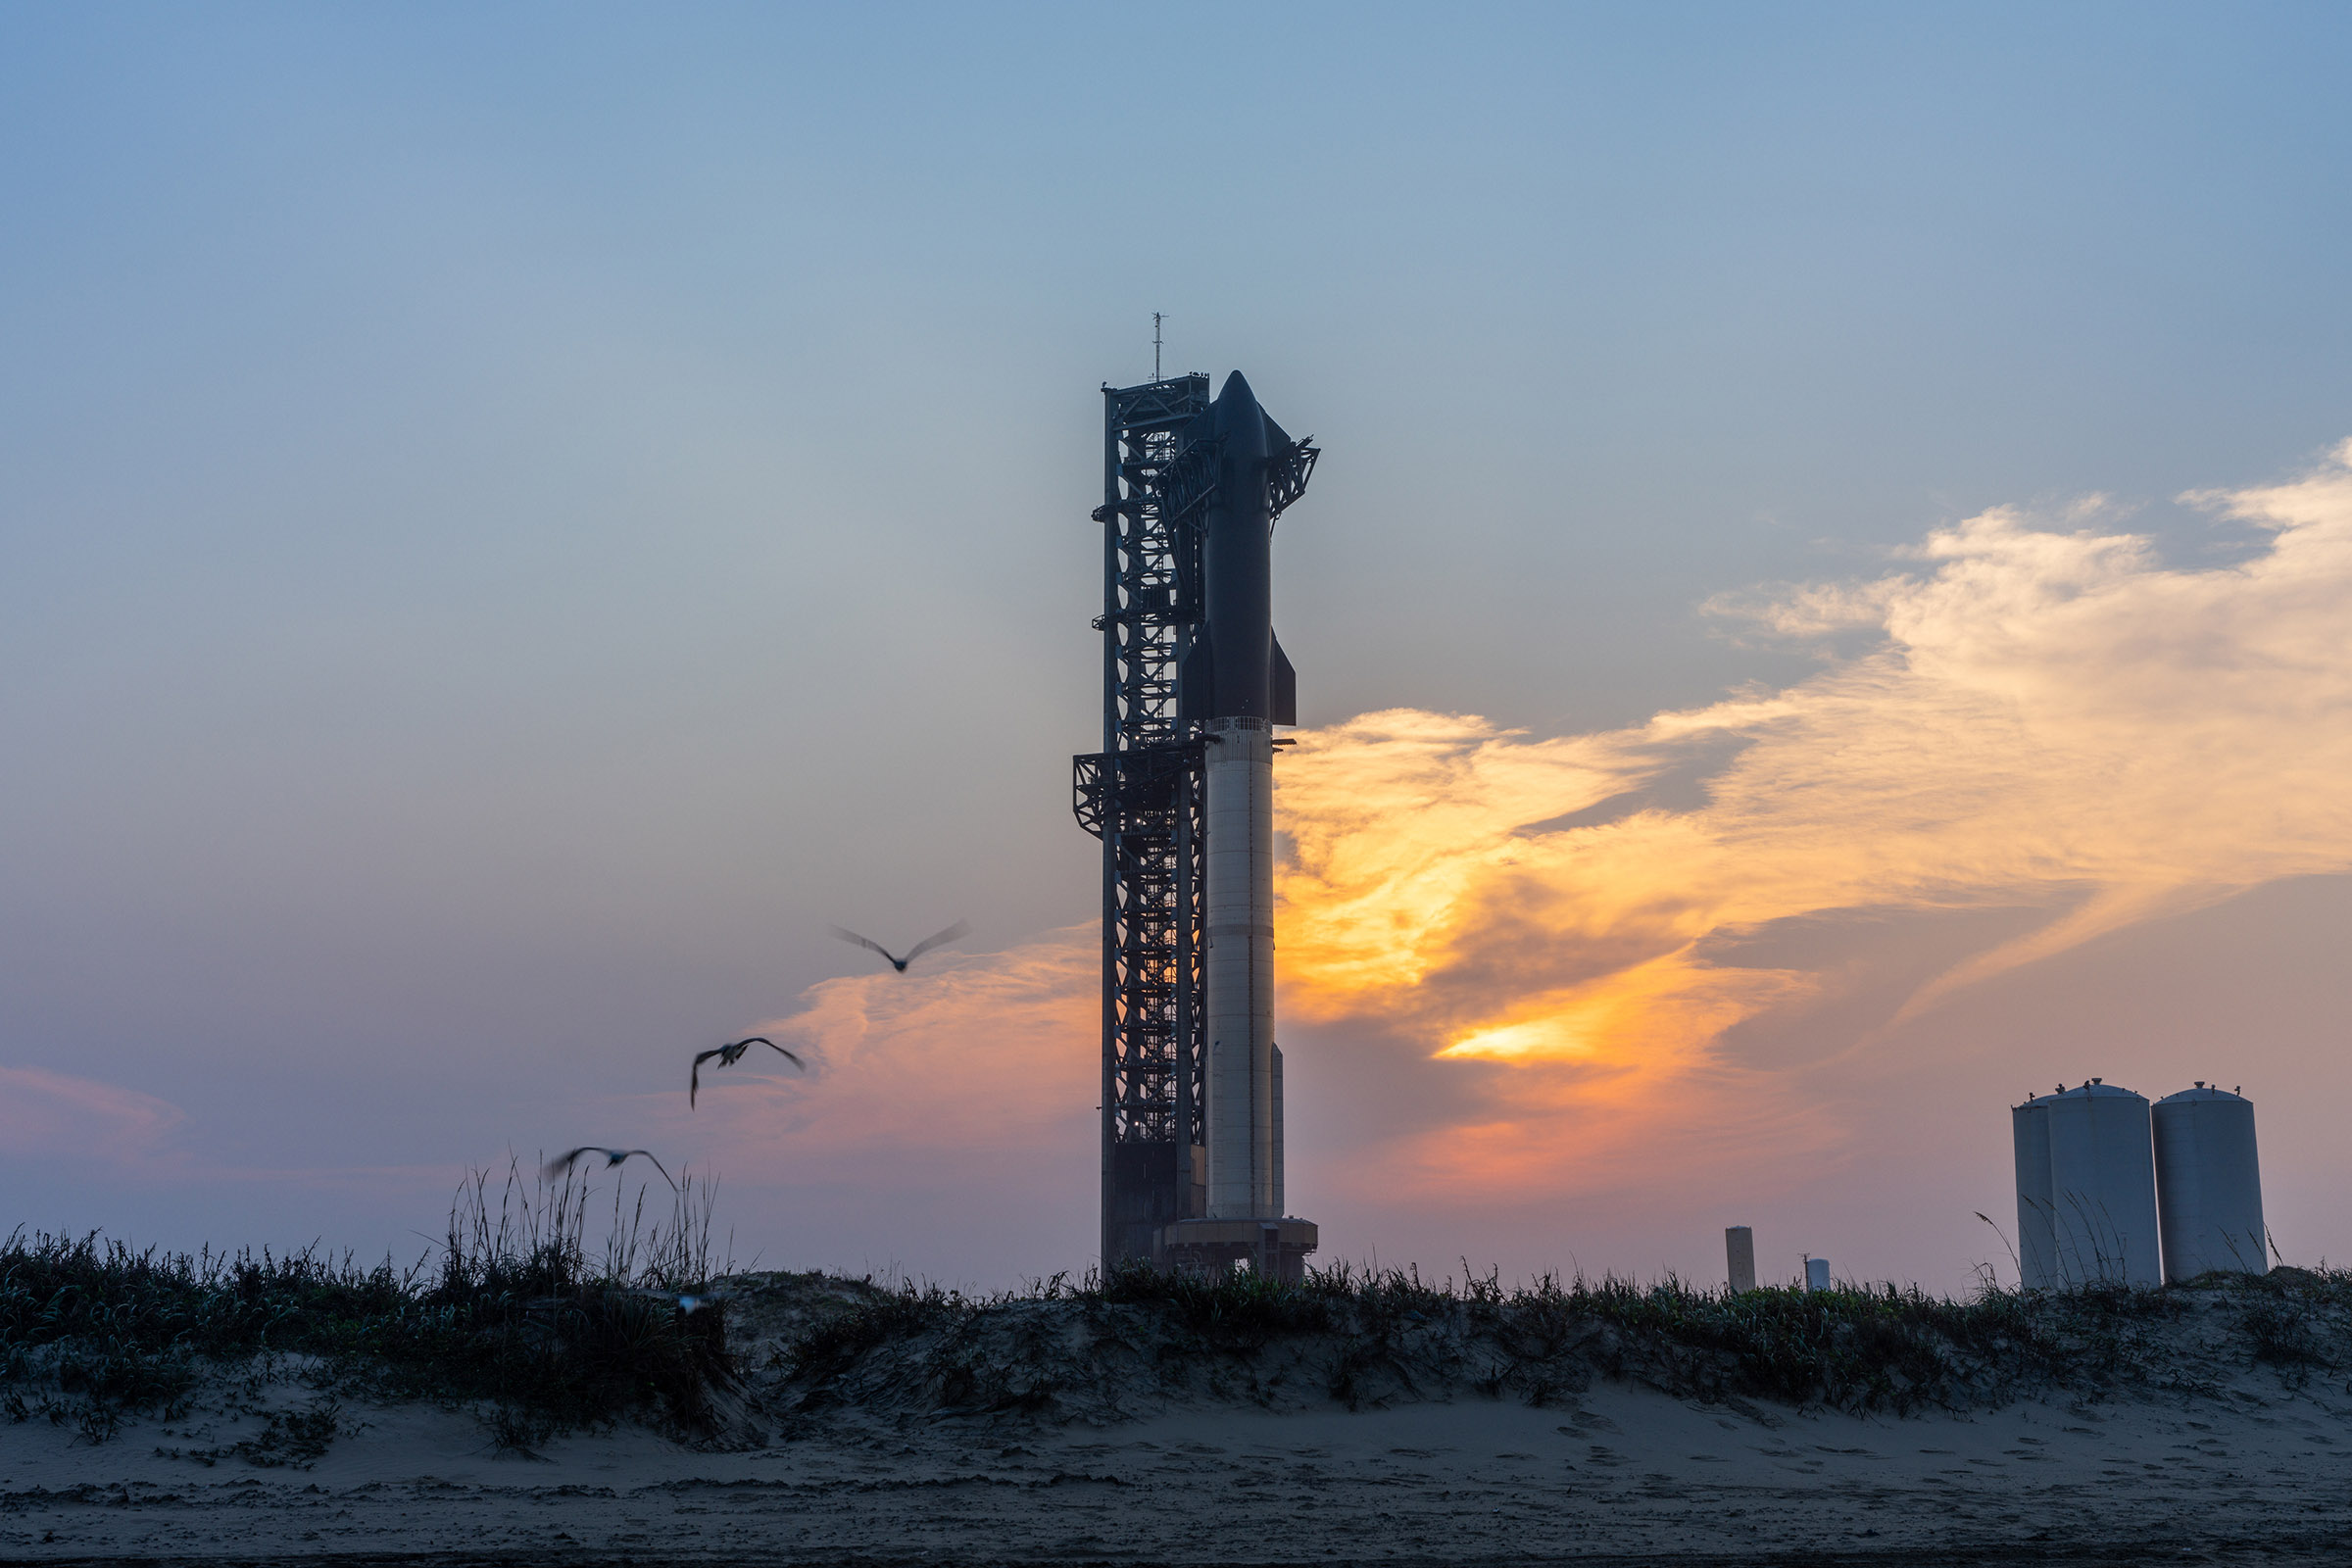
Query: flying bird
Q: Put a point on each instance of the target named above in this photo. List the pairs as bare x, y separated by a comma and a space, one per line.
954, 933
728, 1056
612, 1159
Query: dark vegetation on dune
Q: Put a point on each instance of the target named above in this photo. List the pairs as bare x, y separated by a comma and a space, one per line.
1115, 1345
517, 1320
513, 1316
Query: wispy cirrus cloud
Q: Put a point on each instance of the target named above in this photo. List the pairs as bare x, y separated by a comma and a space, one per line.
63, 1119
54, 1114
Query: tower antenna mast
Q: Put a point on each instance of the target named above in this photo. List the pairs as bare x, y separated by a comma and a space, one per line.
1154, 345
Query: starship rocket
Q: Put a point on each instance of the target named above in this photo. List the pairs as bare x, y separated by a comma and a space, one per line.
1237, 685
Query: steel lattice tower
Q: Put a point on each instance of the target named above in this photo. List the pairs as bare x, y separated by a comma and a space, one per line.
1141, 795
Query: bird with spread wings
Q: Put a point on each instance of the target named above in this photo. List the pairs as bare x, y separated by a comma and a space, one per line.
614, 1158
954, 933
728, 1056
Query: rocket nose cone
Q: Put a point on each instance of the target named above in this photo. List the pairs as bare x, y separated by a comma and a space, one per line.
1236, 414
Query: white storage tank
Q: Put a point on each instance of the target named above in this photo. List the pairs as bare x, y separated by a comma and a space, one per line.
2036, 1237
2085, 1189
2209, 1185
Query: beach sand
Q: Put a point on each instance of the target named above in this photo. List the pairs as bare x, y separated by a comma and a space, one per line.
2256, 1470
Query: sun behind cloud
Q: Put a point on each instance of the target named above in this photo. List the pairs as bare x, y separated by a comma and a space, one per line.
2048, 725
2050, 720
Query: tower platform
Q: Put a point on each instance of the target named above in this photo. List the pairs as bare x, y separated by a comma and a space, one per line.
1275, 1247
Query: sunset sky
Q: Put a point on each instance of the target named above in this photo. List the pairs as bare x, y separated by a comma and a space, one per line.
1826, 607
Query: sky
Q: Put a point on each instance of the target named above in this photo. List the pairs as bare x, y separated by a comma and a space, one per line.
1823, 609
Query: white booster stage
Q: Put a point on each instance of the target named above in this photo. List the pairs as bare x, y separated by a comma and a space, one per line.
1245, 1072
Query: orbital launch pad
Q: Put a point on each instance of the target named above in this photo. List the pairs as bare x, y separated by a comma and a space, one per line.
1182, 797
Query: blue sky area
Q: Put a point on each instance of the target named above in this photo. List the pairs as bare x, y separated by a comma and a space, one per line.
513, 519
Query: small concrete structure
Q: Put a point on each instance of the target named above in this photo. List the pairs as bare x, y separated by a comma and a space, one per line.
1740, 1257
1817, 1273
2209, 1185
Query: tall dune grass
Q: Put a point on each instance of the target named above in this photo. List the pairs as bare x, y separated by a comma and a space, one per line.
517, 1311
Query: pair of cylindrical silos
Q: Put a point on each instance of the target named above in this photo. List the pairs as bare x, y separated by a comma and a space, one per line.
2111, 1190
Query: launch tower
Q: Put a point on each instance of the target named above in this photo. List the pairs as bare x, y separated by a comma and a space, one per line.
1181, 796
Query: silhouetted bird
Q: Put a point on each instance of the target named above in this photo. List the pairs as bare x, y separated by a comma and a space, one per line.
728, 1056
954, 933
613, 1159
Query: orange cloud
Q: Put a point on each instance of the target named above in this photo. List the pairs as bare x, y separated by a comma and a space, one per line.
1580, 963
2052, 720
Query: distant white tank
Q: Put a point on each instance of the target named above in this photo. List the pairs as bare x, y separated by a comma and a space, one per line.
1817, 1273
2209, 1185
2085, 1189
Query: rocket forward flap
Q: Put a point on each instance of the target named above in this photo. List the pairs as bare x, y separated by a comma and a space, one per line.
1196, 682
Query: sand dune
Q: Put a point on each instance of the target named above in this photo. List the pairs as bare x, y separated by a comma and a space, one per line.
2195, 1451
